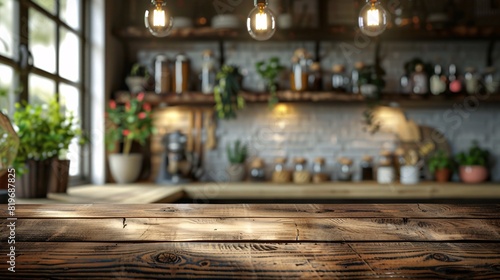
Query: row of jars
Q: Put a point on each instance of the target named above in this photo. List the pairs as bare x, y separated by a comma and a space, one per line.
302, 174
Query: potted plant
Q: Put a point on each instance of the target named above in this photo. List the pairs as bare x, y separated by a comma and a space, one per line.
473, 164
226, 93
38, 145
237, 154
127, 124
137, 79
269, 71
441, 165
65, 128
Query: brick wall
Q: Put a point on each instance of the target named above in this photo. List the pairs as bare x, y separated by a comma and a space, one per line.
331, 130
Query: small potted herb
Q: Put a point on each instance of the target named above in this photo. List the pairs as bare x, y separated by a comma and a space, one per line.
137, 79
269, 71
473, 164
236, 154
441, 166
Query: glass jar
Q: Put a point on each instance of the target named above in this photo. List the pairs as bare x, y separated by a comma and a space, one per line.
320, 173
280, 173
257, 171
345, 170
180, 79
208, 72
405, 84
455, 85
367, 168
299, 75
385, 171
315, 81
491, 81
438, 81
339, 79
420, 81
471, 80
301, 175
358, 66
162, 74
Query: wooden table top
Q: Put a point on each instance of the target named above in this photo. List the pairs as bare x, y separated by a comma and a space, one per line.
280, 241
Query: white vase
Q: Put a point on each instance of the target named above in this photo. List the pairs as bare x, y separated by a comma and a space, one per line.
410, 175
135, 83
125, 168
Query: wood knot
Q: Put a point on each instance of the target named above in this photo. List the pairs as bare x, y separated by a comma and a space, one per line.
168, 210
168, 258
204, 263
440, 257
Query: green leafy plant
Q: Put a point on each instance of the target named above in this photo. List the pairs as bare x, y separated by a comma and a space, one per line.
237, 153
129, 123
138, 70
269, 71
226, 93
373, 75
440, 160
474, 156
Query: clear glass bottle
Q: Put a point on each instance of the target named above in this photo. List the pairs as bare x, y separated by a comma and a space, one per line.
339, 80
299, 75
471, 80
208, 72
162, 74
280, 173
301, 175
455, 85
358, 66
420, 81
257, 170
367, 168
345, 169
320, 173
438, 81
180, 81
315, 80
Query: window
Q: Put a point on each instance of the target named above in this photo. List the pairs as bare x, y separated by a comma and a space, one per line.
55, 37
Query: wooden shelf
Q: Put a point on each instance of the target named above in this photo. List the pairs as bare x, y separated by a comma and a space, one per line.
198, 98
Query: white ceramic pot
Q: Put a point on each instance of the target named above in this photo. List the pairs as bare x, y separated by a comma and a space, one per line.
135, 84
236, 172
385, 175
368, 90
125, 168
410, 175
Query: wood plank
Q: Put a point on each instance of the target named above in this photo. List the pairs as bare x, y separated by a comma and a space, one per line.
255, 229
51, 260
421, 211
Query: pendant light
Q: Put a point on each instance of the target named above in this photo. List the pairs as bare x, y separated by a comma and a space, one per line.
261, 23
373, 18
158, 20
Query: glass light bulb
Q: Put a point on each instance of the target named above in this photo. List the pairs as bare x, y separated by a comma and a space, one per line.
373, 19
158, 21
261, 24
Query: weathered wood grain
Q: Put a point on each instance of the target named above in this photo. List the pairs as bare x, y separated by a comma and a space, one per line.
256, 261
421, 211
255, 229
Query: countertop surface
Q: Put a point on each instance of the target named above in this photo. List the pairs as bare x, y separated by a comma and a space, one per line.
210, 192
245, 241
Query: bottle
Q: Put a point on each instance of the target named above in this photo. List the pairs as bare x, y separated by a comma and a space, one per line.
345, 170
320, 174
405, 84
367, 168
385, 170
162, 74
455, 86
280, 173
438, 81
257, 172
180, 81
299, 75
301, 175
358, 66
339, 80
420, 82
208, 72
315, 79
471, 80
491, 81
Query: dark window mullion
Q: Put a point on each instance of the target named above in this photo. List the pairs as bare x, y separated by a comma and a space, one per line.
54, 77
23, 23
58, 45
54, 18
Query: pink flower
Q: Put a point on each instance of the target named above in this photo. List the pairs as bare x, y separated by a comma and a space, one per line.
112, 104
127, 105
126, 132
140, 96
146, 107
142, 115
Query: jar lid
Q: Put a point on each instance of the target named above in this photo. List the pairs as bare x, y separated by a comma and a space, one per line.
385, 153
399, 152
320, 160
281, 160
367, 158
359, 65
385, 162
181, 57
315, 66
338, 68
300, 53
257, 163
345, 161
207, 53
299, 160
419, 68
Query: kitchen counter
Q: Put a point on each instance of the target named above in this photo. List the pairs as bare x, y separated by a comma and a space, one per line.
276, 241
268, 192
